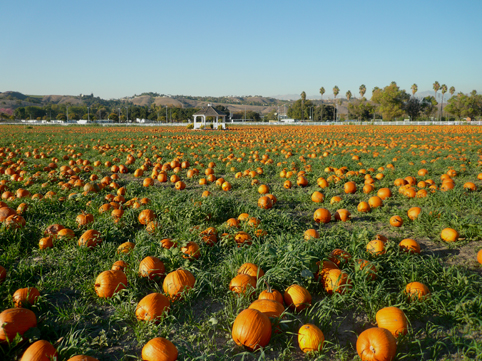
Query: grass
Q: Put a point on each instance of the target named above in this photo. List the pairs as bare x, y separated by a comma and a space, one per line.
445, 326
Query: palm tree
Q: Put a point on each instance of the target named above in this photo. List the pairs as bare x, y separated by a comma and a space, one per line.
414, 89
322, 91
336, 90
348, 96
452, 90
362, 90
436, 87
303, 99
444, 90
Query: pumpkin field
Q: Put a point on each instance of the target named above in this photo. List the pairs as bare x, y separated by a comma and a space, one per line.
253, 243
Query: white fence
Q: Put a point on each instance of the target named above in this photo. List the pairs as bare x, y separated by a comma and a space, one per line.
228, 124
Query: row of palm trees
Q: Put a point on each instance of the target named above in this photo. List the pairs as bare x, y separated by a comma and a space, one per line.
363, 89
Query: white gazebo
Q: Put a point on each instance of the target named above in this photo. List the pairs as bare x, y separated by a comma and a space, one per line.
209, 111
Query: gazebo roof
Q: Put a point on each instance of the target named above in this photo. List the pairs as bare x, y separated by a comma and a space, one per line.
209, 111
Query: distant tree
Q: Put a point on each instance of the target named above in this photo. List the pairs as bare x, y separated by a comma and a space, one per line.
360, 109
413, 107
298, 111
452, 90
429, 106
414, 89
390, 101
443, 91
336, 91
303, 99
272, 115
436, 87
61, 116
114, 117
362, 90
322, 91
348, 96
463, 106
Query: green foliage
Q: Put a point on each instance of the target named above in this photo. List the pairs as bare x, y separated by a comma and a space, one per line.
360, 109
114, 117
390, 101
299, 111
463, 105
190, 126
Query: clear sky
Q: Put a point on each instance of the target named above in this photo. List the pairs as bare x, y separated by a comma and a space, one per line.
121, 48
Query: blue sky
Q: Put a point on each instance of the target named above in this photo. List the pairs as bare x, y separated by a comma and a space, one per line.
121, 48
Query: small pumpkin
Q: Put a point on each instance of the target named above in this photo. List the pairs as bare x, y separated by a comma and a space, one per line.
159, 349
125, 247
416, 290
242, 238
376, 247
151, 267
119, 266
178, 282
367, 267
40, 351
146, 216
152, 307
311, 233
376, 344
479, 259
297, 297
90, 239
409, 245
339, 257
110, 282
251, 269
191, 250
322, 215
271, 294
414, 212
242, 284
16, 320
84, 219
396, 221
310, 338
449, 235
46, 242
251, 329
25, 296
270, 308
393, 319
337, 281
342, 215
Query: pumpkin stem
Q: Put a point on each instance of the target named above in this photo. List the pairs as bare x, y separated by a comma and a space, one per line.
372, 349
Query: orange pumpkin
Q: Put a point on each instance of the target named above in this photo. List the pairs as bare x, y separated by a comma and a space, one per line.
16, 320
396, 221
393, 319
151, 267
271, 294
40, 351
376, 344
322, 215
416, 290
159, 349
409, 245
251, 269
251, 329
336, 281
110, 282
242, 284
449, 235
311, 233
178, 282
270, 308
90, 239
25, 296
297, 297
310, 338
152, 307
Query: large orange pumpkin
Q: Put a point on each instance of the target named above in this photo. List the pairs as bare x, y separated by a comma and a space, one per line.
270, 308
151, 267
251, 329
322, 215
242, 283
393, 319
178, 282
25, 296
416, 290
16, 320
159, 349
297, 297
310, 338
40, 351
376, 344
251, 269
152, 307
110, 282
449, 235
